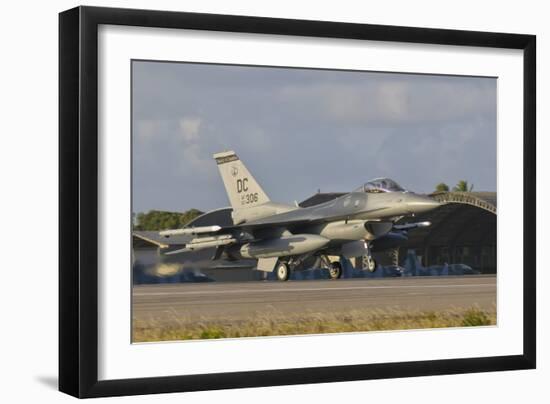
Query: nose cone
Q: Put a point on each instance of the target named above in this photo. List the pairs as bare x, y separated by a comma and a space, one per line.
421, 204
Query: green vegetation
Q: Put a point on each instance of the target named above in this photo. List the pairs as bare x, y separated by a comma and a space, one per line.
475, 318
160, 220
462, 186
276, 323
212, 333
441, 187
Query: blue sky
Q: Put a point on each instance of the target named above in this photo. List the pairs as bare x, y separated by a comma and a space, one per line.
300, 130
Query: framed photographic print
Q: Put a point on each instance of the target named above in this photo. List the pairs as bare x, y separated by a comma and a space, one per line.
250, 201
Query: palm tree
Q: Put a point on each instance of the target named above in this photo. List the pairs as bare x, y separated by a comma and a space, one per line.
462, 186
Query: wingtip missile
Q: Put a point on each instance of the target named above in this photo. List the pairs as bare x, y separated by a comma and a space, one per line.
190, 231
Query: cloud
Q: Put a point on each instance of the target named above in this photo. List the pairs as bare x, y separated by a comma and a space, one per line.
194, 158
298, 130
145, 129
189, 128
393, 101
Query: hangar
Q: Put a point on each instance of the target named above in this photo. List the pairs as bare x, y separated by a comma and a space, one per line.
463, 231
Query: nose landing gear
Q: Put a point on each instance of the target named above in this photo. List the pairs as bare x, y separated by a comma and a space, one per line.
369, 263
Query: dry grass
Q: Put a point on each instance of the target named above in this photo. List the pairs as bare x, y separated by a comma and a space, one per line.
273, 323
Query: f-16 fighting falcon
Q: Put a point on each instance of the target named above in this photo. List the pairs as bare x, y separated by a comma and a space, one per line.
284, 238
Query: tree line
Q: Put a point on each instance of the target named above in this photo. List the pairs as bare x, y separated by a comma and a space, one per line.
162, 220
461, 186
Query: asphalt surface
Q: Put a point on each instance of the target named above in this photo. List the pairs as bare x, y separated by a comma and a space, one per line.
168, 302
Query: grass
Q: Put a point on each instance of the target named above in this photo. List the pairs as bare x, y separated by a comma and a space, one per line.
474, 318
273, 323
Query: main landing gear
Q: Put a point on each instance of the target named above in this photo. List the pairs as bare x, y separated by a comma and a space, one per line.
335, 270
282, 271
370, 263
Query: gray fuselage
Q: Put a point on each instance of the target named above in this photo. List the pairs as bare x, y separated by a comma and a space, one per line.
351, 217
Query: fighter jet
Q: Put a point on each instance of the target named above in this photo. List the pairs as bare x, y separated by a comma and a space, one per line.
284, 238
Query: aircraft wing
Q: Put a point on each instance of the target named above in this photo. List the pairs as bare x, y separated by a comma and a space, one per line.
205, 231
296, 218
251, 227
220, 237
217, 236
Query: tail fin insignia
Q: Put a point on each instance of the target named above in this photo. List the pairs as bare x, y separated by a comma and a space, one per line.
242, 189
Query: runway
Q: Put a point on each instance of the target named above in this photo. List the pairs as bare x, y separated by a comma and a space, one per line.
210, 301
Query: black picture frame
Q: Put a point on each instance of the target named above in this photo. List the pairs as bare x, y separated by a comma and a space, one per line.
78, 201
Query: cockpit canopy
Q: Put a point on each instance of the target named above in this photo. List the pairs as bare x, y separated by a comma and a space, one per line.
380, 185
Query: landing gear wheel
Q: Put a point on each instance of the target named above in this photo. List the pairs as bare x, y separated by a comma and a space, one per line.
371, 264
335, 270
283, 271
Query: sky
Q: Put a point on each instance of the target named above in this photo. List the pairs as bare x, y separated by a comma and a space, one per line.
301, 130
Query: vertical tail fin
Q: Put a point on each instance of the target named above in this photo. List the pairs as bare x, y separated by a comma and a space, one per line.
242, 189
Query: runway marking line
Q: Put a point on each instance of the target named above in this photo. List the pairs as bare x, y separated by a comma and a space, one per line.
207, 292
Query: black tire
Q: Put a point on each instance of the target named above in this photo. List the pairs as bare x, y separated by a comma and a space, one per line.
335, 270
282, 271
